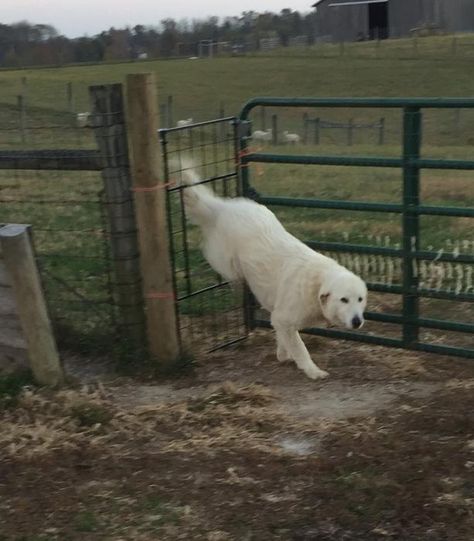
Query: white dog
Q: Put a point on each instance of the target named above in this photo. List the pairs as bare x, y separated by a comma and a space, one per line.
245, 241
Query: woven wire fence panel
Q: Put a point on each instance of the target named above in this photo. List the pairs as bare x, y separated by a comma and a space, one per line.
210, 311
66, 210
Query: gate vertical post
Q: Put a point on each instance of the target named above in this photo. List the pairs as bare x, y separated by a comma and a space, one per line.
241, 134
108, 120
411, 226
153, 234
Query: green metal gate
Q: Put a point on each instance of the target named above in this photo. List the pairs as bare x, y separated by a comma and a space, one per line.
411, 208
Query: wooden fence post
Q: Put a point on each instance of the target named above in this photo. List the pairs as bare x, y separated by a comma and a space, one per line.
317, 125
382, 131
454, 46
275, 129
30, 304
70, 97
108, 120
341, 48
222, 124
263, 118
169, 106
305, 128
163, 116
22, 116
150, 200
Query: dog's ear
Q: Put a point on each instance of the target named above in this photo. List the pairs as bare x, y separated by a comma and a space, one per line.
323, 298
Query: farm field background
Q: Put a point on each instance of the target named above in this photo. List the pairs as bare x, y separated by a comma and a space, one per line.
383, 449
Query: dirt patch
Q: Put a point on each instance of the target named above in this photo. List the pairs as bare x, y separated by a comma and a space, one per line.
248, 449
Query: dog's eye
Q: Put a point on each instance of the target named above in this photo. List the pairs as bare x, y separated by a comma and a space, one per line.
344, 300
360, 299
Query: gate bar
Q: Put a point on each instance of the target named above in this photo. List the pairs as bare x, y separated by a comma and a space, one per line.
397, 103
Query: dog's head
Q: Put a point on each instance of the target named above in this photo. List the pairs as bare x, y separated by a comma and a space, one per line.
343, 298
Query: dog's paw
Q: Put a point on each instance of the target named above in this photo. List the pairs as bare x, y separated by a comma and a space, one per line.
282, 355
313, 372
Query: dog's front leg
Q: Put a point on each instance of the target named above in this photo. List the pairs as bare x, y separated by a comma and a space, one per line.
282, 353
290, 341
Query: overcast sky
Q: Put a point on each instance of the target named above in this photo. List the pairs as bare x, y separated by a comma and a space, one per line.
78, 17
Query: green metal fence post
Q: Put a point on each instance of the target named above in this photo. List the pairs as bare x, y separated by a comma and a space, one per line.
411, 226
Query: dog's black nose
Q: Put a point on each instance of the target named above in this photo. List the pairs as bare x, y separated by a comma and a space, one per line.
356, 322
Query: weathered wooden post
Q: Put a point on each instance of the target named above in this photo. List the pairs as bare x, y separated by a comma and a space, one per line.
317, 126
163, 116
150, 201
305, 128
169, 106
274, 129
341, 48
22, 116
23, 276
70, 97
108, 120
382, 131
454, 46
263, 118
222, 125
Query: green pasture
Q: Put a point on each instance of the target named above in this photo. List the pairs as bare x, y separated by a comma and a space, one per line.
63, 207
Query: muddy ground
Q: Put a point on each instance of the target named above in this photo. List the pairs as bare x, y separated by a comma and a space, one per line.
246, 448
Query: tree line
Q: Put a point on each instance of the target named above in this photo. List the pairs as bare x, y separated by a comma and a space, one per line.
26, 44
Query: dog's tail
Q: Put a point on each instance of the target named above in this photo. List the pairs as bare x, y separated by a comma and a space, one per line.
200, 202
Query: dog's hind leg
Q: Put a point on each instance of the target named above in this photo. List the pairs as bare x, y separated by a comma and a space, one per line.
292, 344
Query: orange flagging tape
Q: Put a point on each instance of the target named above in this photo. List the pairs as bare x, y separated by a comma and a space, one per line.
247, 152
157, 295
146, 189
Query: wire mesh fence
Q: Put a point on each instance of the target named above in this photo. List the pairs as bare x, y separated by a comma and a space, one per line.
210, 311
53, 177
66, 210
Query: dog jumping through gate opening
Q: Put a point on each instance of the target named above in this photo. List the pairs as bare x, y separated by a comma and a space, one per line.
244, 241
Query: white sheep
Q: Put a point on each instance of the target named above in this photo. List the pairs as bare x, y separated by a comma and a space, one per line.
83, 120
184, 123
262, 135
291, 138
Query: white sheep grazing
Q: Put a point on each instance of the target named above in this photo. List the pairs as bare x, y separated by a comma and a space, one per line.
292, 138
184, 123
262, 135
83, 120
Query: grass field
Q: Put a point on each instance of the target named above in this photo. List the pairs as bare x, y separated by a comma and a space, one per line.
425, 68
199, 86
177, 459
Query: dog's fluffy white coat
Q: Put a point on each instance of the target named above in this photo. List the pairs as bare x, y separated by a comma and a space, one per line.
243, 240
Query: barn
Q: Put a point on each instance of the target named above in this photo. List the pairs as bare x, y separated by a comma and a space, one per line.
351, 20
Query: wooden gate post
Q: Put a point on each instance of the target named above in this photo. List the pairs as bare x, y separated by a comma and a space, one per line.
30, 304
108, 120
150, 201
